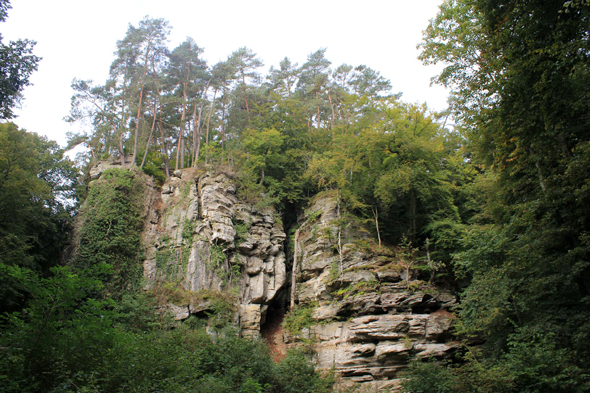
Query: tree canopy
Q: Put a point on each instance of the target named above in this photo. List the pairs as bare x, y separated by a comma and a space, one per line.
37, 197
519, 74
17, 63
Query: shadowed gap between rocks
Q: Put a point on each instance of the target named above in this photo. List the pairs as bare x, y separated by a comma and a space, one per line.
271, 329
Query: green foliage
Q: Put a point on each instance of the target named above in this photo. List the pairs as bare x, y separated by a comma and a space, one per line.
188, 229
110, 231
254, 192
155, 172
299, 318
162, 258
226, 364
298, 375
242, 229
314, 216
65, 340
519, 74
399, 163
360, 288
37, 198
428, 377
17, 64
63, 331
217, 257
502, 200
371, 247
153, 166
473, 375
138, 312
222, 308
537, 364
334, 271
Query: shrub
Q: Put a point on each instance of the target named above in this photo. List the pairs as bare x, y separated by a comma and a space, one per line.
298, 319
297, 375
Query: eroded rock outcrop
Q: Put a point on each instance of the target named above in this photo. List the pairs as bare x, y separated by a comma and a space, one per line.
206, 239
372, 314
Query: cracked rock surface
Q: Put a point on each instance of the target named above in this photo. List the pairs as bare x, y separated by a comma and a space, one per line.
373, 315
204, 238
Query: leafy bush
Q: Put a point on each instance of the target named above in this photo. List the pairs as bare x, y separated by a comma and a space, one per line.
62, 332
472, 375
152, 170
298, 319
242, 229
67, 340
428, 378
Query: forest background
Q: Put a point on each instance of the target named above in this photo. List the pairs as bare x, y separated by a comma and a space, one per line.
498, 204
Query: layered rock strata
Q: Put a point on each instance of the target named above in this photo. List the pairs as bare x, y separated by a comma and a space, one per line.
372, 314
204, 239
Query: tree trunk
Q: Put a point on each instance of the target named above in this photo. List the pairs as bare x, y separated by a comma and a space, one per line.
162, 136
149, 138
376, 214
223, 120
196, 135
331, 106
261, 176
294, 272
317, 99
182, 154
136, 138
197, 125
209, 120
122, 151
247, 108
180, 145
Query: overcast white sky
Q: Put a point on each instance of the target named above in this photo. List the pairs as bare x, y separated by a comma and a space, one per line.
77, 38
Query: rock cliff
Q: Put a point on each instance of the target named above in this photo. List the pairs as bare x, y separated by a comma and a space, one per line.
367, 313
371, 315
203, 239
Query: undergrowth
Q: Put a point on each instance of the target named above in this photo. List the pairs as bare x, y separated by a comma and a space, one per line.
301, 317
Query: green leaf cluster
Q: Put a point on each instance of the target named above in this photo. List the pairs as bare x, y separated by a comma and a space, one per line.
519, 74
67, 339
38, 195
298, 319
110, 230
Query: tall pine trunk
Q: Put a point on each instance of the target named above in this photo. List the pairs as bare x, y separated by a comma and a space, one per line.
180, 146
136, 137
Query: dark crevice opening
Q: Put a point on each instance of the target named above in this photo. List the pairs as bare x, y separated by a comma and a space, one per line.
271, 330
290, 215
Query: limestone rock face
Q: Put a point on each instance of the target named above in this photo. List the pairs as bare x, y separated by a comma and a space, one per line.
110, 163
374, 315
205, 239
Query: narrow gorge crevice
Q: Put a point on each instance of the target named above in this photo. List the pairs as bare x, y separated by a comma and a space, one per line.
354, 303
291, 224
271, 330
271, 323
